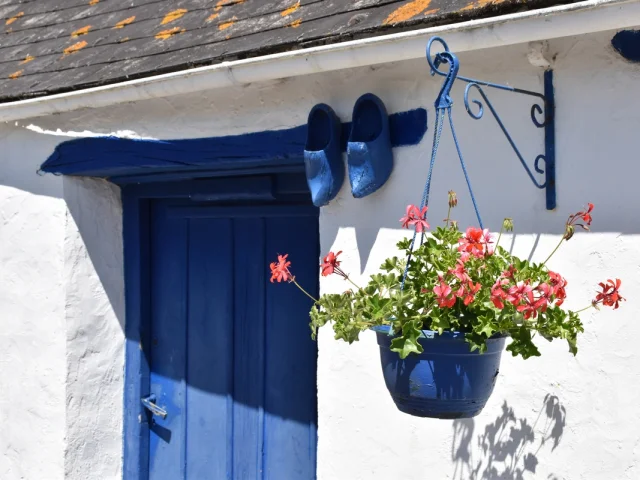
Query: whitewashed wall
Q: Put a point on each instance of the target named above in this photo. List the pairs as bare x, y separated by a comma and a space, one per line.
556, 417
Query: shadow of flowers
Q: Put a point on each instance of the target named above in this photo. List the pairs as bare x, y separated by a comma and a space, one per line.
509, 446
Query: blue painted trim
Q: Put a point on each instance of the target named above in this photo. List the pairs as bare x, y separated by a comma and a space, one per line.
249, 211
122, 157
550, 140
206, 173
627, 44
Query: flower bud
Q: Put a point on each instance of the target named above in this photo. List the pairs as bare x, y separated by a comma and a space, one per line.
453, 199
568, 233
507, 224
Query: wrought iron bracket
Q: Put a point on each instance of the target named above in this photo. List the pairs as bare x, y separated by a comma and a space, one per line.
544, 108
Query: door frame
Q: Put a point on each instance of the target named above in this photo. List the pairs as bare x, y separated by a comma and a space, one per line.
136, 207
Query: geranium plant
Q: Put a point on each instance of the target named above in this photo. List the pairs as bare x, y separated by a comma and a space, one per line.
458, 281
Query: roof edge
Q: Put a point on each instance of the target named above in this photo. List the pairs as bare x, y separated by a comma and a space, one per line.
554, 22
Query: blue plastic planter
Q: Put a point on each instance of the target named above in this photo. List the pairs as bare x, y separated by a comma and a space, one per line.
447, 380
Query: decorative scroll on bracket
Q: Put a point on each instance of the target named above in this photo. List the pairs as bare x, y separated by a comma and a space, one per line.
542, 114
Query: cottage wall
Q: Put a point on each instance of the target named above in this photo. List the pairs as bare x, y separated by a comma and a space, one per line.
555, 417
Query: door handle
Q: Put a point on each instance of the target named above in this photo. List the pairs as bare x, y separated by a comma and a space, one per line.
149, 402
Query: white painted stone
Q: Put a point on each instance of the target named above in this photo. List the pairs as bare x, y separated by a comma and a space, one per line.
32, 300
93, 276
571, 418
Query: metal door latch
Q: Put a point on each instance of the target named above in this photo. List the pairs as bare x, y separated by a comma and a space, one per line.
149, 402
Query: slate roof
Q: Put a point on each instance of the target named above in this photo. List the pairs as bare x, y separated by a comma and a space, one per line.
55, 46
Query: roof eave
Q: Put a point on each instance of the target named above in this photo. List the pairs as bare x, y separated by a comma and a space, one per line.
536, 25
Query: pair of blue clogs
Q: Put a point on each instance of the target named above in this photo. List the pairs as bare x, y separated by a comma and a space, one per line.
369, 154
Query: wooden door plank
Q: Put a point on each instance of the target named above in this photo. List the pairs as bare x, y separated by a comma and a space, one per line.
168, 344
136, 235
249, 291
210, 350
291, 354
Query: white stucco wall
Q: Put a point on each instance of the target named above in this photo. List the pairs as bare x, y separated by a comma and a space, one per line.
62, 292
62, 304
32, 301
94, 300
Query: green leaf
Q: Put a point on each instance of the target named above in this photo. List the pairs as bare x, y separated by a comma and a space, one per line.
522, 344
407, 342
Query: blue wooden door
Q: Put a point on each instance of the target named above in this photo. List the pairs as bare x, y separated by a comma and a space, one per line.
231, 358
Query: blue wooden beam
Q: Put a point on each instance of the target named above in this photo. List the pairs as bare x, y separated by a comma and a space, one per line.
124, 160
627, 44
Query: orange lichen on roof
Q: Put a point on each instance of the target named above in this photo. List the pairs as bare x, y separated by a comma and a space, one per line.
296, 23
93, 2
221, 3
14, 18
122, 40
172, 16
27, 59
407, 11
164, 34
81, 31
225, 25
479, 4
291, 9
212, 17
16, 74
125, 22
75, 47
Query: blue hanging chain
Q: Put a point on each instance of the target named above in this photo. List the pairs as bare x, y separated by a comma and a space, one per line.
442, 105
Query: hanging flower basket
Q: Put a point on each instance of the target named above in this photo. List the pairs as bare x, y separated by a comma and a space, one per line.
446, 380
443, 311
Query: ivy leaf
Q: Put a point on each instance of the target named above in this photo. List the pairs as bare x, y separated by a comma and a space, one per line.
439, 322
407, 342
522, 344
485, 326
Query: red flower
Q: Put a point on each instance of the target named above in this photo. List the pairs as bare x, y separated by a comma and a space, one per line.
330, 263
610, 295
558, 284
509, 273
406, 220
470, 292
487, 237
444, 294
475, 241
528, 309
519, 291
280, 271
460, 272
546, 292
498, 295
585, 215
416, 217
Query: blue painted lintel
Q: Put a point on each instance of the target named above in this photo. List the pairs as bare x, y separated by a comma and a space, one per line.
627, 44
126, 160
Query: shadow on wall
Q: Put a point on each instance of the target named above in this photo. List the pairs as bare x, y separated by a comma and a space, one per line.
95, 230
509, 446
22, 154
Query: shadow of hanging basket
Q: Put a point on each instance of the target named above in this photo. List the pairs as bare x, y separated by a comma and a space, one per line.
446, 381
